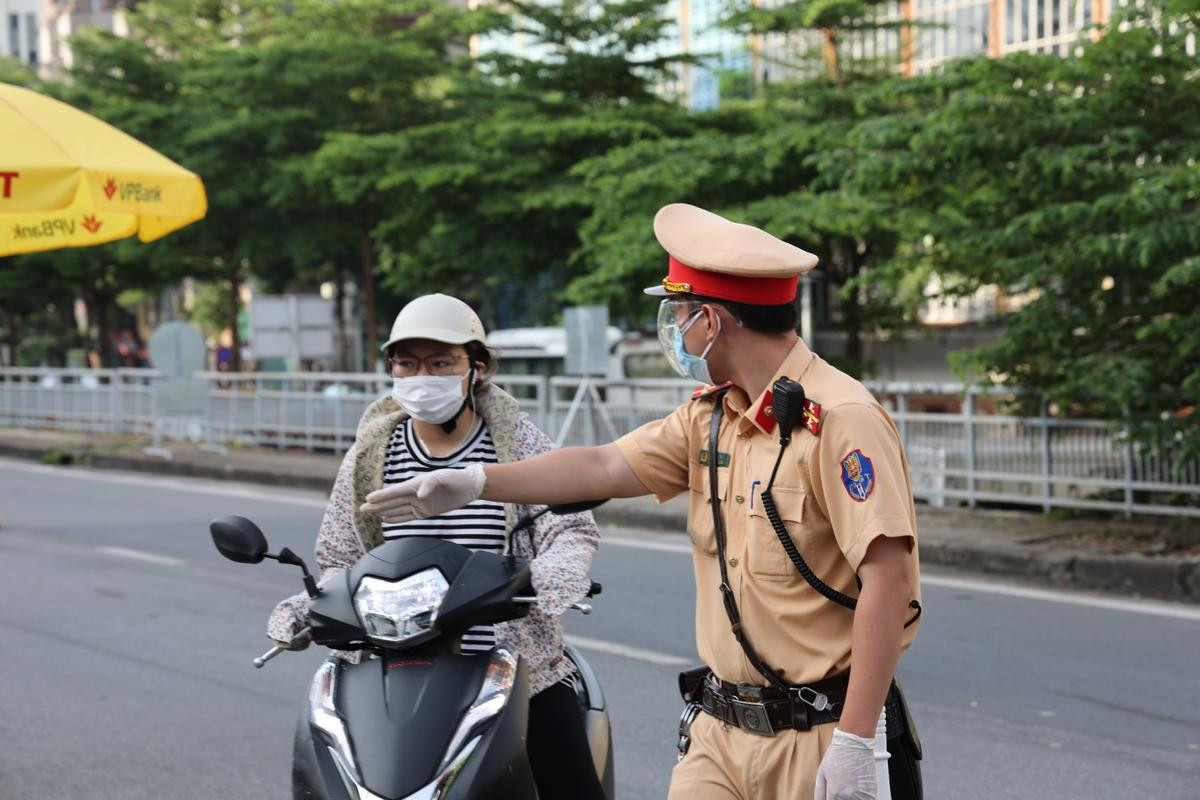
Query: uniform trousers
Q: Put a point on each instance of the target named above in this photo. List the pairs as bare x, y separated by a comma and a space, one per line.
730, 763
727, 763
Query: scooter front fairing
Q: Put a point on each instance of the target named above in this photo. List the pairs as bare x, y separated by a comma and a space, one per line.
427, 725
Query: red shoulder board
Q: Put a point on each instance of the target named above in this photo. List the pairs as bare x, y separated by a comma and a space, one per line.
707, 389
812, 417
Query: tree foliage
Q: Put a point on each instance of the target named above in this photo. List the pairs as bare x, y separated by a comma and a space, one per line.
1073, 183
368, 138
482, 202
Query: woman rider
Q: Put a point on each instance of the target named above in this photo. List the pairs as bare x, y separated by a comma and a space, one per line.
443, 412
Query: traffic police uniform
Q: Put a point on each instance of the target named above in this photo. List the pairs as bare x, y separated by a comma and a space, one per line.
843, 481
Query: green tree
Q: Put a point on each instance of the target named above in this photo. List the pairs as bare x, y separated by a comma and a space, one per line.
368, 67
36, 302
781, 163
137, 83
1073, 184
482, 202
245, 94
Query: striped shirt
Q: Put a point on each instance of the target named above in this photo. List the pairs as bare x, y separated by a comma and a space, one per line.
479, 525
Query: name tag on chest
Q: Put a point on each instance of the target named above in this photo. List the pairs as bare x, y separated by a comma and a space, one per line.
706, 457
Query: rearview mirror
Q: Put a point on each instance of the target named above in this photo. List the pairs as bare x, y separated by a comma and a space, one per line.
238, 539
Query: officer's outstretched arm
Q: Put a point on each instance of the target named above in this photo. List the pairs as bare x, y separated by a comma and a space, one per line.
569, 475
560, 476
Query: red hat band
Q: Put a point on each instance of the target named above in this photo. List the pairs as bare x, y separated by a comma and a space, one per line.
723, 286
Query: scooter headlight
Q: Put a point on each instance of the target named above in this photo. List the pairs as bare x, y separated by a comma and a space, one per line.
394, 612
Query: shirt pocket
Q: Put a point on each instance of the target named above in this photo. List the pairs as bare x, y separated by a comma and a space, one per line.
701, 528
765, 556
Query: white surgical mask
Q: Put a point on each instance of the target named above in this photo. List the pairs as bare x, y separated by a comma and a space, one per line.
430, 398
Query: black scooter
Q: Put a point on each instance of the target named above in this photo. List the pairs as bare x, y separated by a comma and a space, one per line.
415, 719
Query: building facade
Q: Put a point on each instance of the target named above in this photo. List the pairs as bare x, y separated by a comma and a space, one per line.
720, 50
22, 31
943, 30
997, 28
62, 19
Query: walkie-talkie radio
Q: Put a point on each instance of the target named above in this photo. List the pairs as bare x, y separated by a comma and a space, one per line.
787, 406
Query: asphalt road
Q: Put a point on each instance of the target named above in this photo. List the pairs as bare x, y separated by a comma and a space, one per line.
125, 645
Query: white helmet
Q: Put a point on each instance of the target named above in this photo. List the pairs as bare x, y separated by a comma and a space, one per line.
437, 317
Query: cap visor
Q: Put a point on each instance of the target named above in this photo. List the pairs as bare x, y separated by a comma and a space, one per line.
656, 291
442, 335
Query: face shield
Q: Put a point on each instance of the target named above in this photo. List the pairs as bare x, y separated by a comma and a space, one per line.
670, 311
672, 325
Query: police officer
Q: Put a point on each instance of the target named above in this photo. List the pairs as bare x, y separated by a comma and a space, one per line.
786, 716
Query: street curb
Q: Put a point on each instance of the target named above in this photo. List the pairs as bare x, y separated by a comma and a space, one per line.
229, 473
620, 513
1132, 574
135, 463
1165, 580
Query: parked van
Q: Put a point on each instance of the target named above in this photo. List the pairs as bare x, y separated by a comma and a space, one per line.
543, 351
639, 386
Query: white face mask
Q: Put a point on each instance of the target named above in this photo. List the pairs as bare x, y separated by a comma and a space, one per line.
430, 398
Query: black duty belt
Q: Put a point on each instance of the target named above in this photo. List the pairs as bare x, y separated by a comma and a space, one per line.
765, 710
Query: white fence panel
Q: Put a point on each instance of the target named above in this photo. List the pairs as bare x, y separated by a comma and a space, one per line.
960, 456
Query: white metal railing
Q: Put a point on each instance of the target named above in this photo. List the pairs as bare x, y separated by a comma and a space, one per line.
965, 456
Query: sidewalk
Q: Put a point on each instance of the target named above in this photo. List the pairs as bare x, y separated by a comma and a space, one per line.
1149, 557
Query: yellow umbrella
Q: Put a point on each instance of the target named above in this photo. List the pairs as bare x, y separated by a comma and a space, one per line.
67, 179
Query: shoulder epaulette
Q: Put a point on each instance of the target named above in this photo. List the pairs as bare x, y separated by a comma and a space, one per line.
709, 389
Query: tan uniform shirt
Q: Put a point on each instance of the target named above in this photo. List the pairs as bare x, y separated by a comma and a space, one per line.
836, 492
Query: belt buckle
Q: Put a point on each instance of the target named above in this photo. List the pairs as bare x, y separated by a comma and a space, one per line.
751, 712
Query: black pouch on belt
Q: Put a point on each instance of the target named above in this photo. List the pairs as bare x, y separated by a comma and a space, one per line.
904, 748
691, 682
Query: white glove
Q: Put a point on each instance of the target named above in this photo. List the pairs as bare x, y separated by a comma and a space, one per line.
427, 495
847, 771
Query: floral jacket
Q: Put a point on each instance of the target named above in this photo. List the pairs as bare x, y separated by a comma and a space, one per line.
559, 549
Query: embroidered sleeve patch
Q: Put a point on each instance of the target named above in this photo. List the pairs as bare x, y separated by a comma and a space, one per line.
858, 475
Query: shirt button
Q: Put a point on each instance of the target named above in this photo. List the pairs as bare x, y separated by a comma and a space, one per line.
733, 562
740, 499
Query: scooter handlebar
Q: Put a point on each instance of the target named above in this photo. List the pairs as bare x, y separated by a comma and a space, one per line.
277, 649
267, 656
584, 608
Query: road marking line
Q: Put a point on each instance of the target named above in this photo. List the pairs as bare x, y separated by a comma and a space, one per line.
637, 653
1150, 607
660, 542
657, 542
195, 485
142, 555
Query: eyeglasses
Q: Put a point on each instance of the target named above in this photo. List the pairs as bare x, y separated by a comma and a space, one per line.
437, 364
